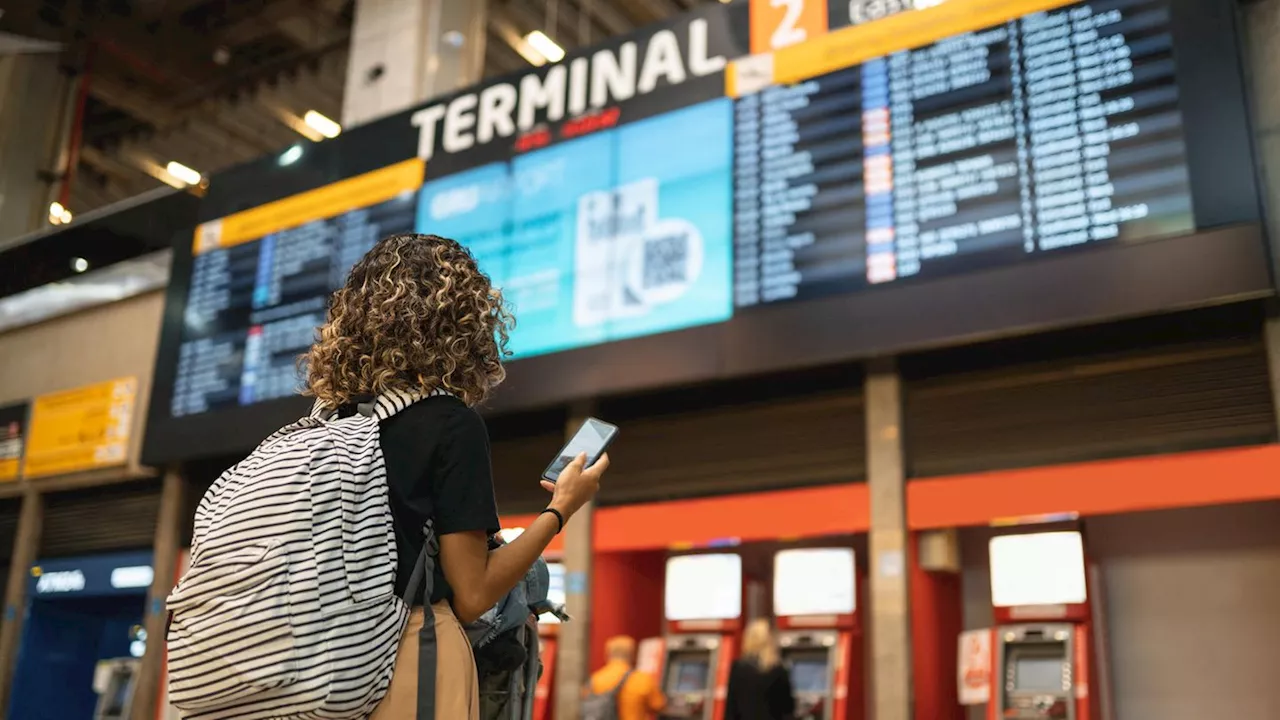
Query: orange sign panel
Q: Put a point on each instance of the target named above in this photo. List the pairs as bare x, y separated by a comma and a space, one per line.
81, 429
329, 201
776, 24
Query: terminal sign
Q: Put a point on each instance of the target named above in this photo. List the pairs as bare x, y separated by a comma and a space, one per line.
81, 429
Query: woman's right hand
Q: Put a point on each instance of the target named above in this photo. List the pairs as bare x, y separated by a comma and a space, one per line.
577, 484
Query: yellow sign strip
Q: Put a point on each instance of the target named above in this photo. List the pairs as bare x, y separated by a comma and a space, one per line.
329, 201
81, 429
8, 469
856, 44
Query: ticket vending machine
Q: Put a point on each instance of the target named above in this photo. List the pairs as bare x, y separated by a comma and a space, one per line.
548, 635
816, 610
703, 609
1043, 660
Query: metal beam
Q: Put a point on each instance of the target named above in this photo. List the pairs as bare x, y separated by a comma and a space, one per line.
613, 21
500, 57
526, 20
141, 105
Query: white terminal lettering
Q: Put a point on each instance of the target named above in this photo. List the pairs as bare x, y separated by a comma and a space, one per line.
608, 76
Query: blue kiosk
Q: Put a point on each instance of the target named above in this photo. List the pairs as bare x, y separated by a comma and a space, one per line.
84, 616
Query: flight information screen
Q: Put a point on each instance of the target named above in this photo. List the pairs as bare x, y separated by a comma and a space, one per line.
261, 280
1048, 131
667, 182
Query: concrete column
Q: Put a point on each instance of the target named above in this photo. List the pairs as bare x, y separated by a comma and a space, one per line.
1260, 26
167, 539
32, 93
574, 648
890, 616
25, 548
405, 52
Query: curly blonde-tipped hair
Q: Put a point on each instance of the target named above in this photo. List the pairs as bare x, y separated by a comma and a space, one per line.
416, 313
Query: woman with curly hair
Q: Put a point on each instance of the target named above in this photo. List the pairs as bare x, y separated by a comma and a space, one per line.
417, 314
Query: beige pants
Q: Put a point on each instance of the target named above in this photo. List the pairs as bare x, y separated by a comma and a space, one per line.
457, 688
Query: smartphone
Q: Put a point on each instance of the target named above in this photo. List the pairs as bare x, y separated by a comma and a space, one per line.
592, 438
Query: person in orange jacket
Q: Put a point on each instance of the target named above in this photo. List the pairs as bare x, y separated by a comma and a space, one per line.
640, 698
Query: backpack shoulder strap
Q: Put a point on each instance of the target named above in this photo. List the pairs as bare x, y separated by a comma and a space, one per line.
422, 578
381, 407
621, 684
394, 401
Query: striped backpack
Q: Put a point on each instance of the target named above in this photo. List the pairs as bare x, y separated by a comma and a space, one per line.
289, 609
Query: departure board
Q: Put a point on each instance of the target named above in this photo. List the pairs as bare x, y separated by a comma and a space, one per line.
254, 303
1049, 131
741, 180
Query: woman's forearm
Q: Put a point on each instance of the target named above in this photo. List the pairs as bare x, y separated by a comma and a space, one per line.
506, 566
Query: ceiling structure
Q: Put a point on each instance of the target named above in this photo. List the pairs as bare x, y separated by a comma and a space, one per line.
213, 83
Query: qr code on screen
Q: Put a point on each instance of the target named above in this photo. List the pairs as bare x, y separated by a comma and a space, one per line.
666, 260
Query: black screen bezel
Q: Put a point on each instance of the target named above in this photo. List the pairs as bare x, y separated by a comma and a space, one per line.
1225, 260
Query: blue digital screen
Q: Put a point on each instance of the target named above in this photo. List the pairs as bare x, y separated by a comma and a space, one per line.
602, 238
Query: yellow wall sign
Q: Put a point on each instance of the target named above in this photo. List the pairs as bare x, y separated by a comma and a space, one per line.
81, 429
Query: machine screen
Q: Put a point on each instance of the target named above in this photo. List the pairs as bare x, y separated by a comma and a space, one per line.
555, 591
814, 581
704, 587
809, 676
1038, 569
689, 676
1037, 673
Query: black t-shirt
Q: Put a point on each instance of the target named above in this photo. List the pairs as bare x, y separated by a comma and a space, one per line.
437, 457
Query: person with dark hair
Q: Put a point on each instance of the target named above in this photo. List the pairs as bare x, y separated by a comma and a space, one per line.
418, 316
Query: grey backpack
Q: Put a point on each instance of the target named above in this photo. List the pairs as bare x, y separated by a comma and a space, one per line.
603, 706
504, 640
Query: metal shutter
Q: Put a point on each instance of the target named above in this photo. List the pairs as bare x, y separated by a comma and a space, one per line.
102, 519
749, 437
518, 463
521, 447
1185, 397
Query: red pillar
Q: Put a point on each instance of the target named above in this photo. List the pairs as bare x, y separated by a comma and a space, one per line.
937, 617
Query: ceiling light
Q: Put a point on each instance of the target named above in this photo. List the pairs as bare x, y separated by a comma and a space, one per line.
322, 124
290, 156
79, 264
183, 173
545, 46
58, 214
527, 52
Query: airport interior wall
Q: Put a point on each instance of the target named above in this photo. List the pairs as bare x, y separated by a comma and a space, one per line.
103, 343
1190, 599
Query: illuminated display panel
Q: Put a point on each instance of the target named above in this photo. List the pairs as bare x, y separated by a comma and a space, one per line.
1037, 569
751, 179
704, 587
814, 581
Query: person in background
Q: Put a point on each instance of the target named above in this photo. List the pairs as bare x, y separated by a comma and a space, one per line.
640, 698
759, 686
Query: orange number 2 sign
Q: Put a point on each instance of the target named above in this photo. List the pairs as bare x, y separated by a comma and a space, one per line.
776, 24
